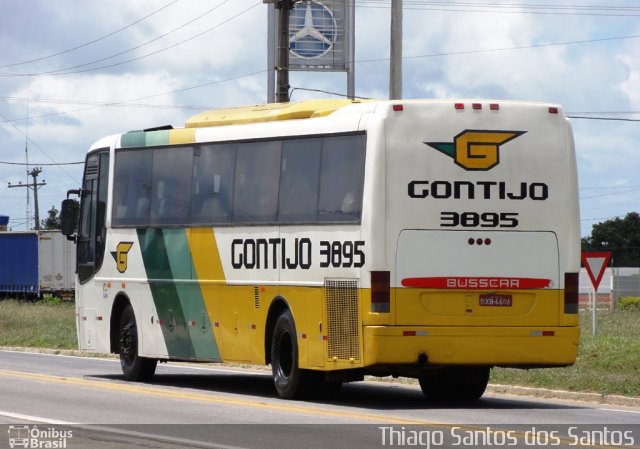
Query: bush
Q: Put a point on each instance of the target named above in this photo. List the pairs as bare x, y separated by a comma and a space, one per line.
629, 303
50, 299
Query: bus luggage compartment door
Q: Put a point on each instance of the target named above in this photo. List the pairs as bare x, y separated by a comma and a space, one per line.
477, 278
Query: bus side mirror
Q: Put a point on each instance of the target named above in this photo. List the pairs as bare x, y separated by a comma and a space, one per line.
68, 218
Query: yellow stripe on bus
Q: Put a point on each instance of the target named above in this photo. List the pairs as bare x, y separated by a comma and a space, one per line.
178, 136
205, 255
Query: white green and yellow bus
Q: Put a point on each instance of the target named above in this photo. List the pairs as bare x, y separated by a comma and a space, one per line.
334, 239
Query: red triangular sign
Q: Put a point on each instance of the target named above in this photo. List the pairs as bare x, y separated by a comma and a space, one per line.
595, 263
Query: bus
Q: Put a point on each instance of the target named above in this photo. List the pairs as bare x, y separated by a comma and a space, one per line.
333, 239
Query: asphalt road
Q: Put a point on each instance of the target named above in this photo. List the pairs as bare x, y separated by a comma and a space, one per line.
204, 406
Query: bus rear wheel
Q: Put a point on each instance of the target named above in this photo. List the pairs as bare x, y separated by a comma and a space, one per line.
455, 383
290, 381
134, 367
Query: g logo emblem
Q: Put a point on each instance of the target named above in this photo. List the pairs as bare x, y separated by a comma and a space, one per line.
120, 255
476, 150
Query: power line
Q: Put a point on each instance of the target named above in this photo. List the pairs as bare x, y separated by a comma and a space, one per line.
92, 41
122, 102
100, 103
604, 206
609, 187
601, 218
629, 190
62, 72
572, 6
516, 8
48, 164
615, 119
53, 72
36, 145
521, 47
604, 112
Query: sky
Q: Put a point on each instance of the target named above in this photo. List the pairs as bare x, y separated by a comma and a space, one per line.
72, 72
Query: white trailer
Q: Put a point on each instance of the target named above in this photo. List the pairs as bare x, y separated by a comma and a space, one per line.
56, 263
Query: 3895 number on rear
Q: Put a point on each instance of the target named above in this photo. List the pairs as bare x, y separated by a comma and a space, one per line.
479, 219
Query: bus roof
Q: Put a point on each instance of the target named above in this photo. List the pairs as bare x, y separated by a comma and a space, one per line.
268, 112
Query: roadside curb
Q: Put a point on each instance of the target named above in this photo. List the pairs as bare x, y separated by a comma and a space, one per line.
597, 398
66, 352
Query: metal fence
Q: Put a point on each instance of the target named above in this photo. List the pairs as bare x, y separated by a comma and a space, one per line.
624, 282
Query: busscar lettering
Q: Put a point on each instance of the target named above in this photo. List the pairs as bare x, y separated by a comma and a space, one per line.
483, 283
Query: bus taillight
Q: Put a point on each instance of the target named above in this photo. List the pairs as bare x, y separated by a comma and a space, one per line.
571, 292
380, 297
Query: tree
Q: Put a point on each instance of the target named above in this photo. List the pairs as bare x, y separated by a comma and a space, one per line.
52, 221
620, 236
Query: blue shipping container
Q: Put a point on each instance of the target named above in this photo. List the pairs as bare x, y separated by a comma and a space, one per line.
19, 262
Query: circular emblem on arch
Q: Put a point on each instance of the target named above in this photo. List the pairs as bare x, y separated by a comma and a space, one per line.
312, 30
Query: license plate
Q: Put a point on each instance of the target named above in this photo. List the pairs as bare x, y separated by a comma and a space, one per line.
493, 300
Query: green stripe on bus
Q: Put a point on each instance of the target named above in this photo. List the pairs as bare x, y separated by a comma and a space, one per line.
164, 292
191, 299
137, 139
157, 138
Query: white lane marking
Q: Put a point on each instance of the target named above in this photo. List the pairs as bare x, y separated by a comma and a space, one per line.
37, 419
619, 410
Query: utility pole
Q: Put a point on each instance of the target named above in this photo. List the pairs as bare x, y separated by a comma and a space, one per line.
35, 186
282, 69
395, 66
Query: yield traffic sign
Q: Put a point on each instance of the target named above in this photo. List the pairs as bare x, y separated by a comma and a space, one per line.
595, 263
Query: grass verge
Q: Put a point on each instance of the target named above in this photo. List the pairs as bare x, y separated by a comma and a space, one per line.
38, 324
608, 363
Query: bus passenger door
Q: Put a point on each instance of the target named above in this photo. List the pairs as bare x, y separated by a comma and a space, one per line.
91, 247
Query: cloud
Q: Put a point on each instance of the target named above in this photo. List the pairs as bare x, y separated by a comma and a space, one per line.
630, 87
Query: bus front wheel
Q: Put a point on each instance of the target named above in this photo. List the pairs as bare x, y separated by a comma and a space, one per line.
134, 367
455, 383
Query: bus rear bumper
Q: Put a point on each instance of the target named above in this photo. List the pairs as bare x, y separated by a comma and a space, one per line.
496, 346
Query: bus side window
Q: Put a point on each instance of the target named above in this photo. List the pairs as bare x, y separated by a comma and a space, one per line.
341, 179
132, 187
212, 183
300, 169
256, 182
171, 186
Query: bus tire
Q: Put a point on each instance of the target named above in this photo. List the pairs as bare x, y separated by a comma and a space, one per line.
134, 367
455, 383
290, 381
